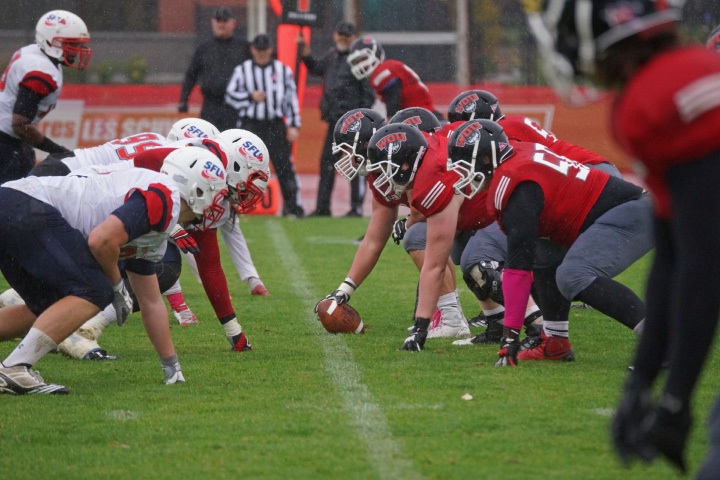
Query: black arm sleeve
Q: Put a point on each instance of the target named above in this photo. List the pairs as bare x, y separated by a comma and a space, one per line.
191, 75
392, 98
27, 103
521, 220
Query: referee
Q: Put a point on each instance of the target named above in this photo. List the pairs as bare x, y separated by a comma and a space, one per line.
262, 91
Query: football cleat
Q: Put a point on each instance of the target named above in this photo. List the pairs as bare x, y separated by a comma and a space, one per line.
239, 343
478, 321
22, 380
440, 327
99, 354
184, 315
550, 348
260, 290
492, 334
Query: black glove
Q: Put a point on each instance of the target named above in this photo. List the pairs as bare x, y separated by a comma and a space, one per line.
415, 342
183, 240
509, 348
182, 107
399, 230
625, 428
665, 431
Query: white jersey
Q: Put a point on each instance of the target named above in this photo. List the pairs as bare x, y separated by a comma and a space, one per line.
87, 197
115, 151
33, 69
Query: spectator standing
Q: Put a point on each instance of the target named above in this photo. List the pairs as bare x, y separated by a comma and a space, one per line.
212, 65
263, 93
30, 88
342, 92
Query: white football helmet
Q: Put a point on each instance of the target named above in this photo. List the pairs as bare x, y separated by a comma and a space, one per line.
62, 35
200, 176
192, 128
248, 169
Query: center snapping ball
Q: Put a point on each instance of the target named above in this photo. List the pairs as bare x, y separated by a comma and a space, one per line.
339, 318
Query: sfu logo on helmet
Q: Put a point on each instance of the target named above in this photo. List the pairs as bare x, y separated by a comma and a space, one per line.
469, 135
53, 20
466, 104
194, 132
392, 142
213, 171
352, 123
252, 150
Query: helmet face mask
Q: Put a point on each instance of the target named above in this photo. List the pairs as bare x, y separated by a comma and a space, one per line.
395, 153
351, 135
248, 170
365, 55
63, 36
192, 128
475, 150
200, 177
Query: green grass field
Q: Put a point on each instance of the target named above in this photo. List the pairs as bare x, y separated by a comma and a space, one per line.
307, 404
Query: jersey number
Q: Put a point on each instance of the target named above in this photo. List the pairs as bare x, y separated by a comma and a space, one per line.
136, 144
560, 164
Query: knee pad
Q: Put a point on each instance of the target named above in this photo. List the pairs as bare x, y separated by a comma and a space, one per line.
484, 280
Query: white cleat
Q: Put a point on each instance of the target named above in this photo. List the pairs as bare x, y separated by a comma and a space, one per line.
442, 328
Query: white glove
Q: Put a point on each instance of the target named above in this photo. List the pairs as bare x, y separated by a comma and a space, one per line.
173, 371
122, 302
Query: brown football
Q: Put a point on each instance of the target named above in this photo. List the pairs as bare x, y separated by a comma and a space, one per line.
342, 319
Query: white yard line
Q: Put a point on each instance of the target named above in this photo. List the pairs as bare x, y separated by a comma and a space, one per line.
386, 454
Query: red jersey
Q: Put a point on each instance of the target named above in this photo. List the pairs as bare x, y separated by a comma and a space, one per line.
669, 114
414, 93
525, 129
570, 189
433, 189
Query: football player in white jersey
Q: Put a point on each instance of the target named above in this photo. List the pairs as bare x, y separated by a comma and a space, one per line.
63, 239
31, 85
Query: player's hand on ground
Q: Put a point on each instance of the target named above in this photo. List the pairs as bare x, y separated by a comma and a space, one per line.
415, 342
509, 348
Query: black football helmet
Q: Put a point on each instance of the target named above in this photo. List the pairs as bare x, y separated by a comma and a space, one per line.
395, 153
419, 117
475, 150
474, 104
365, 55
573, 35
350, 140
713, 42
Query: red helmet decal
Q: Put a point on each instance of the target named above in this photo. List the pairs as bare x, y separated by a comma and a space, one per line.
465, 103
351, 123
416, 120
469, 134
391, 141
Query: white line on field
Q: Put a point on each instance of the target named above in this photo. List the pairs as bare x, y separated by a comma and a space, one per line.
386, 455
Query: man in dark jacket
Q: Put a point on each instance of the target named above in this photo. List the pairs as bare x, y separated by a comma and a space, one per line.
341, 92
212, 66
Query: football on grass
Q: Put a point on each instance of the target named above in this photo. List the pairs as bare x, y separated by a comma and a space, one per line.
339, 318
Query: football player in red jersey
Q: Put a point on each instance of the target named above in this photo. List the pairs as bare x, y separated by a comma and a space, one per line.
713, 41
665, 115
395, 83
31, 85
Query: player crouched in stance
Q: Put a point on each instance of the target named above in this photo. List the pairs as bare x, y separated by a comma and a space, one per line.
64, 237
593, 226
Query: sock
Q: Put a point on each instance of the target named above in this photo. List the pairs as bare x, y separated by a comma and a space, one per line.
614, 300
176, 301
232, 328
533, 315
450, 308
556, 329
31, 349
174, 289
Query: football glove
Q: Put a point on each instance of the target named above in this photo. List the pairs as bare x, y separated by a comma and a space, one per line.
180, 237
415, 342
399, 229
625, 428
122, 302
342, 294
509, 348
666, 429
172, 370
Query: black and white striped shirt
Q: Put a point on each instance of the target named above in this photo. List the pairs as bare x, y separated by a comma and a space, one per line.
276, 80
